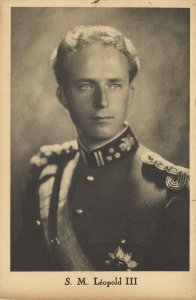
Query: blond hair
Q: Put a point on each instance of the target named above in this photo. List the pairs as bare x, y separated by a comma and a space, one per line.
82, 36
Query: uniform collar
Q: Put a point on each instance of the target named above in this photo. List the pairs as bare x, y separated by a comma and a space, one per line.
120, 146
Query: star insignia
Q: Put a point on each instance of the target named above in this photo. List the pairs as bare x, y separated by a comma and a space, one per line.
109, 158
121, 260
111, 150
117, 155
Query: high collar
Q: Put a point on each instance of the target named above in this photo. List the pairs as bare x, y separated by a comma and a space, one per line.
117, 148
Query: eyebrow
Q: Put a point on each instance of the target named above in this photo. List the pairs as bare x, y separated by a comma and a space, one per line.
116, 79
94, 81
85, 80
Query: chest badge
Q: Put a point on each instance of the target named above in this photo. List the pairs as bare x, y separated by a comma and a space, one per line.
121, 261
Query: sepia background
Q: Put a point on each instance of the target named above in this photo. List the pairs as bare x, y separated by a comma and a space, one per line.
158, 113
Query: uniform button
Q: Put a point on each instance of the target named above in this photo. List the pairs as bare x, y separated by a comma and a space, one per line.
79, 211
107, 262
123, 241
90, 178
38, 223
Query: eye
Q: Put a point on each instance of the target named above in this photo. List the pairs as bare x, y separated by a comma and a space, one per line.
116, 86
85, 86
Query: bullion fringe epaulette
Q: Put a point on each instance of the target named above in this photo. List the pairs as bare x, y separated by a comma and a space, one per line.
52, 153
177, 177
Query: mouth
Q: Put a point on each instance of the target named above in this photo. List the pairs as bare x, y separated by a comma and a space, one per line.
101, 118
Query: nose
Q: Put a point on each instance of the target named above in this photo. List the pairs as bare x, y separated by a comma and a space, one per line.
101, 98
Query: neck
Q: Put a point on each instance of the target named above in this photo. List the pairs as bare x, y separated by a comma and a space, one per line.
119, 146
90, 145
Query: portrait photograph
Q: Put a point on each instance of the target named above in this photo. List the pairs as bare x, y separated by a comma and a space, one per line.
99, 171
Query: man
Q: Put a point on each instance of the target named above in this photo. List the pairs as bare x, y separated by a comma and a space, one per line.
103, 202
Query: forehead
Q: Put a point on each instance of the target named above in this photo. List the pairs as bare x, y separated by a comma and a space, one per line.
97, 61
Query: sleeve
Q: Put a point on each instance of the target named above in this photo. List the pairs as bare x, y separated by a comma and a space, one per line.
30, 252
172, 244
171, 247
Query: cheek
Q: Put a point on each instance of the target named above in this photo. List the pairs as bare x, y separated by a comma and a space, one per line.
119, 103
79, 111
79, 102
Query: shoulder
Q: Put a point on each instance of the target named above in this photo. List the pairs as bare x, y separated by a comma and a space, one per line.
47, 159
157, 178
175, 177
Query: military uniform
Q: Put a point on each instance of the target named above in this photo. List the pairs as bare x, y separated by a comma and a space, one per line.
118, 207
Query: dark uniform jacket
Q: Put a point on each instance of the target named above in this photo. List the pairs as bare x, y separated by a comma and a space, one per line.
119, 207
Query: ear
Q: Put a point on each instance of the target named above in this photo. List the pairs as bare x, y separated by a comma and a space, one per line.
61, 95
131, 90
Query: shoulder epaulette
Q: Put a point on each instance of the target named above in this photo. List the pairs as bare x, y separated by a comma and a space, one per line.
177, 177
49, 154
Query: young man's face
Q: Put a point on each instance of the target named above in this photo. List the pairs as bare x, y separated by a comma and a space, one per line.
97, 92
